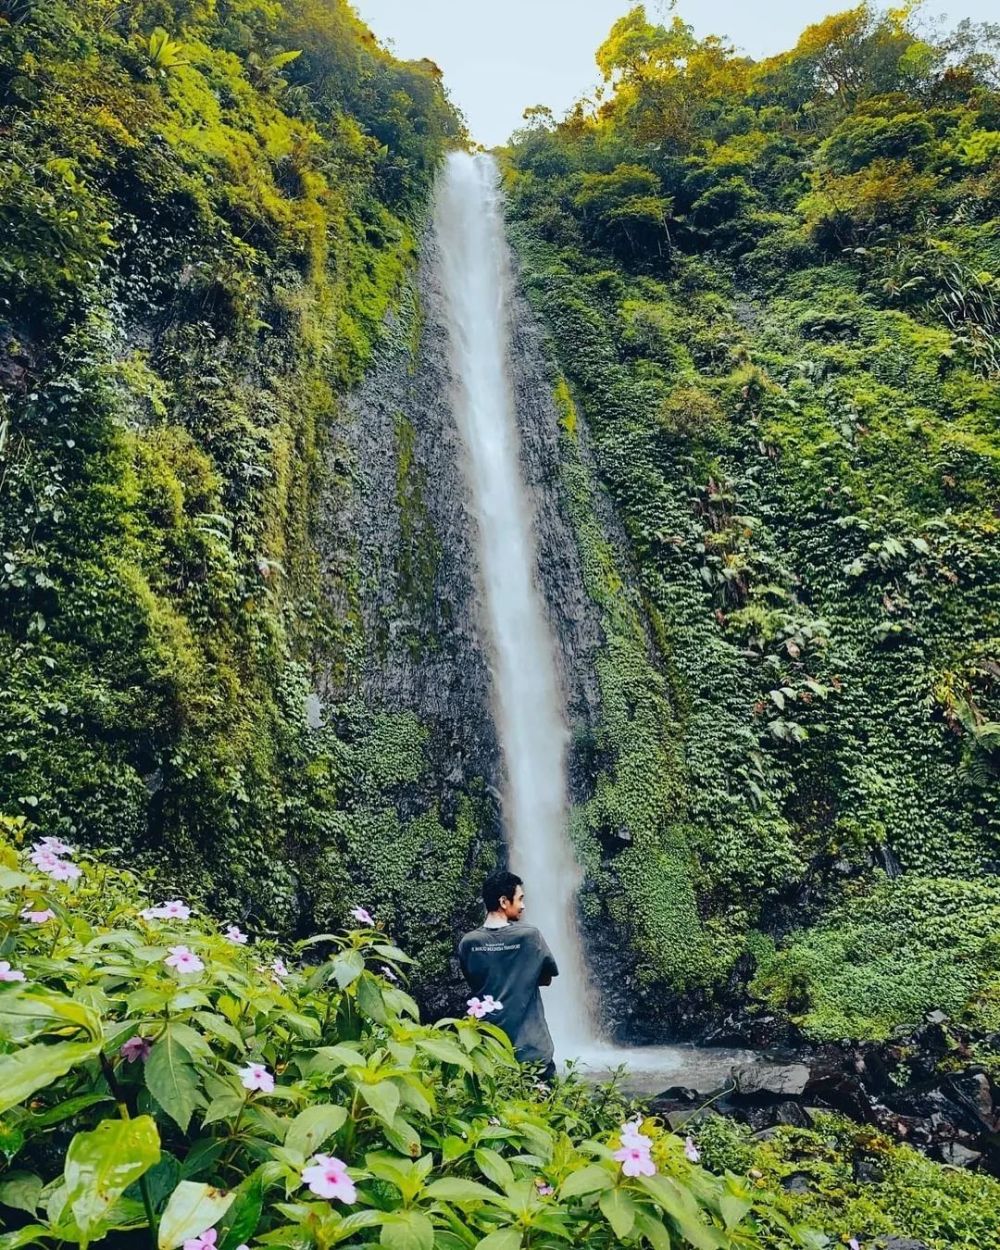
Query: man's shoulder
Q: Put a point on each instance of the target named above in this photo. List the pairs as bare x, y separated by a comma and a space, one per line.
471, 936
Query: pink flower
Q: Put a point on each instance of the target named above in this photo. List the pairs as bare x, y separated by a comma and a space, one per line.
278, 967
136, 1048
234, 935
56, 845
64, 870
327, 1178
854, 1244
7, 973
205, 1241
479, 1007
635, 1161
632, 1136
388, 973
183, 960
38, 917
362, 916
544, 1190
691, 1151
256, 1077
175, 909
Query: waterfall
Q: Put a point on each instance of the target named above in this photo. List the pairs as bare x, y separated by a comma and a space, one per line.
476, 278
475, 275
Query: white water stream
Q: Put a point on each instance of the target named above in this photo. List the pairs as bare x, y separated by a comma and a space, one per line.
476, 278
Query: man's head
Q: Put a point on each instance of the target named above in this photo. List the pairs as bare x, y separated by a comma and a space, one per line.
504, 892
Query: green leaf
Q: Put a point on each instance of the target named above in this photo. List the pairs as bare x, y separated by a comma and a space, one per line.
226, 1106
66, 1110
587, 1181
24, 1013
218, 1027
407, 1230
457, 1189
370, 1002
21, 1191
347, 967
311, 1128
24, 1236
618, 1209
327, 1059
351, 1224
495, 1167
171, 1078
402, 1136
502, 1239
445, 1051
192, 1208
240, 1222
654, 1232
100, 1166
382, 1097
34, 1067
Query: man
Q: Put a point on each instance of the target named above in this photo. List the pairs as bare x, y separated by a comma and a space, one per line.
505, 962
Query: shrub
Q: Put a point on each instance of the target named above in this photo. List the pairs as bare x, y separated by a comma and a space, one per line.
168, 1079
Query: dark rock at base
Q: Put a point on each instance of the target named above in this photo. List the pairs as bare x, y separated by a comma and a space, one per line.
899, 1243
797, 1183
867, 1172
770, 1115
747, 1032
679, 1093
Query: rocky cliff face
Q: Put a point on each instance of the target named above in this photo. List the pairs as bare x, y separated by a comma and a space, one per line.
399, 555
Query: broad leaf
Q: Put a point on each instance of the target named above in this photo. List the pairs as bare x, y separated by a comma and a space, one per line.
457, 1189
101, 1165
618, 1208
445, 1050
494, 1166
502, 1239
192, 1208
171, 1078
370, 1002
21, 1191
30, 1069
587, 1181
311, 1128
382, 1097
240, 1221
407, 1230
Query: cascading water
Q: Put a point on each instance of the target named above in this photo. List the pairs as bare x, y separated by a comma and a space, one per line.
476, 277
475, 273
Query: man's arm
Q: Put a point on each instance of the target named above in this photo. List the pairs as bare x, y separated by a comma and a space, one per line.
549, 968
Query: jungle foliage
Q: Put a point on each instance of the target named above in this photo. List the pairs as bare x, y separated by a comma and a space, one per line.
773, 292
207, 209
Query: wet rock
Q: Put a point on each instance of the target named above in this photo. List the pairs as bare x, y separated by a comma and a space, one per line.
797, 1183
959, 1156
784, 1079
867, 1172
972, 1091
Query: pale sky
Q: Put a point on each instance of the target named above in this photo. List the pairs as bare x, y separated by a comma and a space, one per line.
501, 56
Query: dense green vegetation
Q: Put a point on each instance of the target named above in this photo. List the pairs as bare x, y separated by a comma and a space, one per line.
772, 290
164, 1078
207, 209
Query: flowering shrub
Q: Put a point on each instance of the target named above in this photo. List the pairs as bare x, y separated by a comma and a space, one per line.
163, 1084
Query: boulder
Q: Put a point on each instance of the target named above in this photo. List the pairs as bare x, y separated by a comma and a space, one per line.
959, 1156
765, 1078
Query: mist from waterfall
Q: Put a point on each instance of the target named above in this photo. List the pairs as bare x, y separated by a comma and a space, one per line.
476, 277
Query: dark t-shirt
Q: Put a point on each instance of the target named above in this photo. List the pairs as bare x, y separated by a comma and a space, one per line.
508, 963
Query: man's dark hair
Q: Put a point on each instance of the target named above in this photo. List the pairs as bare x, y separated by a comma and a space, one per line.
499, 885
